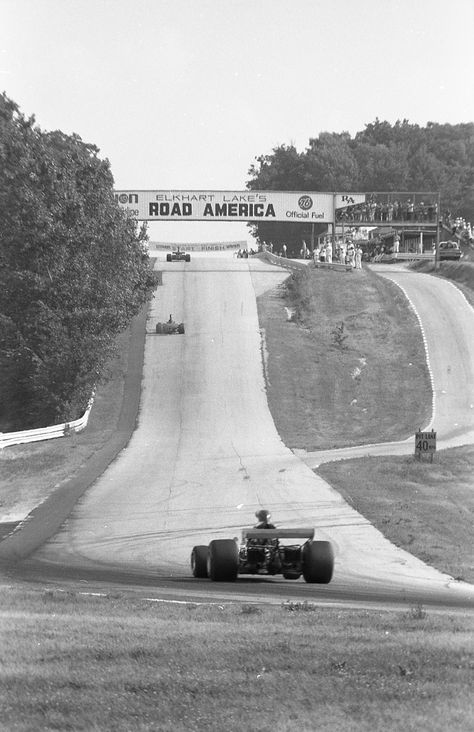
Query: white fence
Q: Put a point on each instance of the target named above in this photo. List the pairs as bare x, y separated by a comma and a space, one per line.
46, 433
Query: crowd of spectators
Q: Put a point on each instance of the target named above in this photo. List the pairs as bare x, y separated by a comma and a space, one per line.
378, 210
343, 252
459, 227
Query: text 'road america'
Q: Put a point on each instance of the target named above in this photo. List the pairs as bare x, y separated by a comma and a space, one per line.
213, 210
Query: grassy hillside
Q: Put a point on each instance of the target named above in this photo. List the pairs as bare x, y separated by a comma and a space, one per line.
352, 368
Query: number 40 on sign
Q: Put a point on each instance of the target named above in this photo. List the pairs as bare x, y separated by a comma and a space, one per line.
425, 444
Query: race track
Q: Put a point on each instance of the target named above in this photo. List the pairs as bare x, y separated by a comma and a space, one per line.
206, 454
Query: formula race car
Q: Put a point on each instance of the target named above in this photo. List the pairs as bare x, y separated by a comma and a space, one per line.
177, 256
170, 327
261, 552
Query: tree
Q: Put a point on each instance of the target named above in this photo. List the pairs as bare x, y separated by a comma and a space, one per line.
330, 163
382, 157
74, 270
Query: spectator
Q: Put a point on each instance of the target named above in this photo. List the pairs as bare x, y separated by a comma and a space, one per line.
329, 252
350, 254
396, 244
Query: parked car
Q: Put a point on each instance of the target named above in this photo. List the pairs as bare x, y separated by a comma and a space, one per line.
449, 250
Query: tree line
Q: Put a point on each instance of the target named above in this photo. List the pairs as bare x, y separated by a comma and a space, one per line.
382, 157
74, 270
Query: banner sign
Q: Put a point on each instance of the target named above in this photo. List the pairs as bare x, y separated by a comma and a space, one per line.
256, 206
349, 199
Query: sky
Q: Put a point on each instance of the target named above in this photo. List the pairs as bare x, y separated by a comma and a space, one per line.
186, 94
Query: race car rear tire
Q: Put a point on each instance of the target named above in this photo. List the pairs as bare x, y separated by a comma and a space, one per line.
168, 257
199, 557
223, 560
159, 328
318, 562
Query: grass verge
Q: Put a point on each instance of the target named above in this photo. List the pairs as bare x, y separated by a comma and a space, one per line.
98, 663
338, 375
425, 508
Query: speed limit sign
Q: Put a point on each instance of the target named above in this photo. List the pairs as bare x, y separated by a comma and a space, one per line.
425, 444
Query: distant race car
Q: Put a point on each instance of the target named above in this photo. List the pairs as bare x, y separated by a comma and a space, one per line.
170, 327
177, 256
262, 553
449, 250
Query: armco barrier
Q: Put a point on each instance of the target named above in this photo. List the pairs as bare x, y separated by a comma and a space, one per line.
283, 262
46, 433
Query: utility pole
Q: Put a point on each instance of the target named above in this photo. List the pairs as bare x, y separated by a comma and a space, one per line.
436, 265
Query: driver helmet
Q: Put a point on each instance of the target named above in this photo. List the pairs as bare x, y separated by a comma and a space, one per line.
263, 515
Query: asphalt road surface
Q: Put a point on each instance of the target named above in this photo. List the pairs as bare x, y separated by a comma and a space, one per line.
206, 455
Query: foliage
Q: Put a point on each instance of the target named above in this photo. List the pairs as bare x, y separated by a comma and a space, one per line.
382, 157
73, 271
339, 337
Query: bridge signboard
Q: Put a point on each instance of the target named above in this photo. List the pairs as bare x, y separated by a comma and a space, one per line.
240, 206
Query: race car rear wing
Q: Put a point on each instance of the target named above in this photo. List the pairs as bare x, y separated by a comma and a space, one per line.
277, 534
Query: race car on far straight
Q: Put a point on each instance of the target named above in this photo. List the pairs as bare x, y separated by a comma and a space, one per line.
261, 552
170, 327
177, 255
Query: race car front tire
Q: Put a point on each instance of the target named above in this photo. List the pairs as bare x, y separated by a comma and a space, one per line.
188, 258
168, 257
159, 328
318, 562
199, 557
223, 560
181, 328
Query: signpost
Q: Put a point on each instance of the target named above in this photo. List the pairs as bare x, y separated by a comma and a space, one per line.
425, 444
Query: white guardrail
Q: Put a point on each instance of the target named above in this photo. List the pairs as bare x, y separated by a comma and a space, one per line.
46, 433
